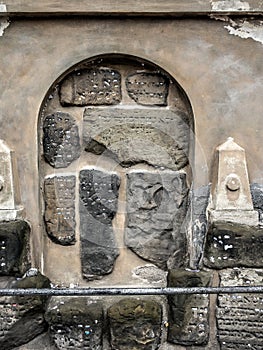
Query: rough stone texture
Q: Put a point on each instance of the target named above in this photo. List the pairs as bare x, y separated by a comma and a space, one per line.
230, 244
22, 318
156, 209
130, 136
14, 251
41, 342
135, 324
75, 323
188, 314
98, 193
91, 87
60, 140
148, 88
59, 196
240, 316
257, 198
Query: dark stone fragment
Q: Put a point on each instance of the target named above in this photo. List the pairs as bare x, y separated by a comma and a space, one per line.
98, 205
14, 238
41, 342
257, 198
91, 87
148, 88
59, 196
75, 323
156, 210
130, 136
188, 316
60, 140
231, 244
135, 324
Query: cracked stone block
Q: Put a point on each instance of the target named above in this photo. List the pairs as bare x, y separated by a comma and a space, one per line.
59, 196
91, 87
135, 324
148, 88
75, 323
188, 315
14, 250
230, 244
22, 317
131, 136
98, 191
156, 210
60, 140
240, 316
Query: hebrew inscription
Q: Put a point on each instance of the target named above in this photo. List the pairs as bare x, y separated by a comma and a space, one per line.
98, 193
60, 140
153, 136
91, 87
156, 209
59, 195
148, 88
240, 316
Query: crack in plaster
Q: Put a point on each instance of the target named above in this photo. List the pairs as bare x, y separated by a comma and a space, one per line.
230, 5
4, 23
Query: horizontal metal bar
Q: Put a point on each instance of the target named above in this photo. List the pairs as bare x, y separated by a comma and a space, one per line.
130, 291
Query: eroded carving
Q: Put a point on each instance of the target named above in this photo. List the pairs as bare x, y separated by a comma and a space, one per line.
59, 196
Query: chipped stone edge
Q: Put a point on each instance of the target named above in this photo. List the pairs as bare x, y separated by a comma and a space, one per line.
229, 5
4, 23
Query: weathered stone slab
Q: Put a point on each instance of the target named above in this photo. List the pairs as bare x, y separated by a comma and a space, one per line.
156, 210
240, 316
91, 87
188, 316
75, 323
14, 237
135, 324
148, 88
59, 196
98, 193
130, 136
60, 140
230, 244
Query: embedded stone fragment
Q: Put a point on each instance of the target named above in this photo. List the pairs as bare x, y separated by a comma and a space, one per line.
148, 88
153, 136
60, 140
91, 87
156, 210
135, 324
75, 323
240, 316
14, 238
98, 193
230, 244
188, 316
59, 196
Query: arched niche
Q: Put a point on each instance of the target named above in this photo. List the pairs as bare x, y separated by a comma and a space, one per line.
116, 135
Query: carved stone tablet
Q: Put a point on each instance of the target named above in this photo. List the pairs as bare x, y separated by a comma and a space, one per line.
154, 136
231, 244
188, 314
98, 205
59, 195
135, 324
75, 323
91, 87
148, 88
60, 140
156, 210
240, 316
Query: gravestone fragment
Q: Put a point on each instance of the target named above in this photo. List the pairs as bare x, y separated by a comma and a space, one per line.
240, 316
75, 323
130, 136
135, 324
60, 140
98, 191
98, 86
156, 210
188, 315
59, 196
148, 88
